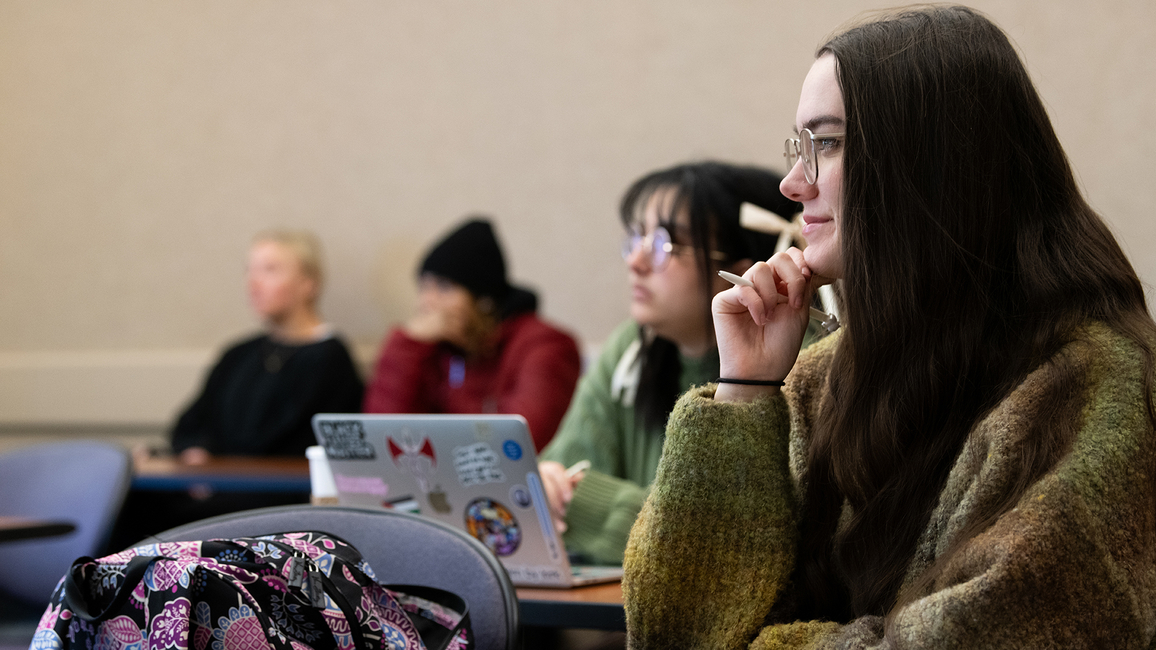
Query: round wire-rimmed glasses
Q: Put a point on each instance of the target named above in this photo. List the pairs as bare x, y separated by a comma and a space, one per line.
803, 147
658, 247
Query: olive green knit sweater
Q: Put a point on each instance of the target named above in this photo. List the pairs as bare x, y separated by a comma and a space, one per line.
1073, 565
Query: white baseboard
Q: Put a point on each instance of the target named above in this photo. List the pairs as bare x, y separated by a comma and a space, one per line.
107, 387
120, 388
130, 387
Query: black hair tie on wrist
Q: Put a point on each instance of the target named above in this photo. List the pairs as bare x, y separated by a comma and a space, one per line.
750, 382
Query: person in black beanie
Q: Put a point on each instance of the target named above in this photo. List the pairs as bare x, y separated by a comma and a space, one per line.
476, 344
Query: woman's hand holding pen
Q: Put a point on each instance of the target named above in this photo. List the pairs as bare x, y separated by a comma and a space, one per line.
760, 328
560, 483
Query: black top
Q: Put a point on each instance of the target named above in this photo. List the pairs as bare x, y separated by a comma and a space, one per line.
261, 395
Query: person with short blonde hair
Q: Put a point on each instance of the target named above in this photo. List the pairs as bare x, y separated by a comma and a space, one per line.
260, 397
305, 247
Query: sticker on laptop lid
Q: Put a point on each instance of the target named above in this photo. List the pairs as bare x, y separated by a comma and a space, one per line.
405, 503
414, 456
545, 520
345, 440
512, 450
361, 485
537, 575
493, 525
520, 496
477, 464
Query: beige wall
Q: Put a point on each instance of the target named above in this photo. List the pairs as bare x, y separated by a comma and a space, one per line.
143, 142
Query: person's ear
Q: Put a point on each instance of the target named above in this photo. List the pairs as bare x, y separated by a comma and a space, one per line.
312, 291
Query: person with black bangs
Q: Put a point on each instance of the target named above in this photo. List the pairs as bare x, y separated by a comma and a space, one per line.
682, 227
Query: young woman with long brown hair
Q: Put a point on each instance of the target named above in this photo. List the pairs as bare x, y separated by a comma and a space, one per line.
969, 462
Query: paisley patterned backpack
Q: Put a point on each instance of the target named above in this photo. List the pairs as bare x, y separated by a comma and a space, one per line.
290, 591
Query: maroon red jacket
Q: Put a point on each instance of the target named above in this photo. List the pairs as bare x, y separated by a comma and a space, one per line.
532, 374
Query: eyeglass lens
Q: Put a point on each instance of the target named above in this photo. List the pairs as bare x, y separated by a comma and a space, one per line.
803, 147
656, 246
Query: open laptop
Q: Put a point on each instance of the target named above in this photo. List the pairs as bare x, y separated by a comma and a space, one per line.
478, 473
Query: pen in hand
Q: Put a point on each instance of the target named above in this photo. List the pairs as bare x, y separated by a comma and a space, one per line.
828, 321
577, 468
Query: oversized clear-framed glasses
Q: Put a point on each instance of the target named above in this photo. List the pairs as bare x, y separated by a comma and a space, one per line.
658, 248
805, 147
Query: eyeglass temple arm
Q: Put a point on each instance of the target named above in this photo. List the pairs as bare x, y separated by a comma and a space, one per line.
717, 256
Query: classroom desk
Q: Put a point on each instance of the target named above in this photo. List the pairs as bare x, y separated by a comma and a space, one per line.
16, 528
223, 474
596, 607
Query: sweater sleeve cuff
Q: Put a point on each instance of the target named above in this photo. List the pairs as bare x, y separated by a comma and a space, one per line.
601, 513
698, 411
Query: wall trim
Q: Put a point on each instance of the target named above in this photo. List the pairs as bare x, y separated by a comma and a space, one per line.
134, 388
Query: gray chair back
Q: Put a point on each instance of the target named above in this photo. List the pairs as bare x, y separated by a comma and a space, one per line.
83, 482
401, 548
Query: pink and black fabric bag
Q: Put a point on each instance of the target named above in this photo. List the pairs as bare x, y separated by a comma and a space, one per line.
289, 591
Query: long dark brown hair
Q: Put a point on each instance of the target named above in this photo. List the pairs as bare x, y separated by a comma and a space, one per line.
970, 259
710, 193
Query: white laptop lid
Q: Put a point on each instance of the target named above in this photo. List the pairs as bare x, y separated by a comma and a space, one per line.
475, 472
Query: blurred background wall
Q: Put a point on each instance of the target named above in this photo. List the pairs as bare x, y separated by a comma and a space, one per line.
143, 143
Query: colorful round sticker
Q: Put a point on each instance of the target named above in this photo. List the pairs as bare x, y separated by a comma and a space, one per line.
512, 449
520, 496
493, 525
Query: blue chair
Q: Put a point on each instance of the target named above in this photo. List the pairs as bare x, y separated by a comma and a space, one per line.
83, 482
402, 549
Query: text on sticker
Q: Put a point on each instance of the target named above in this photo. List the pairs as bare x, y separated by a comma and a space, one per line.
477, 464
